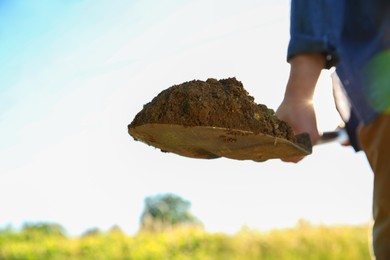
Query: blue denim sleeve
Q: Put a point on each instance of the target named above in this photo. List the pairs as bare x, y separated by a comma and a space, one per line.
315, 27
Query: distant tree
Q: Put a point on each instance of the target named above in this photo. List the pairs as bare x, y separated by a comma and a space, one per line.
6, 230
166, 210
91, 232
43, 228
115, 229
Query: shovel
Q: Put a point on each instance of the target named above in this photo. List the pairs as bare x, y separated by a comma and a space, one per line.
206, 142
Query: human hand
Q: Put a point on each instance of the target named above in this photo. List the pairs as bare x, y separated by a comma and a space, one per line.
300, 115
297, 107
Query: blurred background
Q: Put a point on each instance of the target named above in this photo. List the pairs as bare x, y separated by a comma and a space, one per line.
73, 75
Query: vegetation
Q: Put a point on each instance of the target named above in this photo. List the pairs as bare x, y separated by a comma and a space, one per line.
187, 242
169, 231
165, 211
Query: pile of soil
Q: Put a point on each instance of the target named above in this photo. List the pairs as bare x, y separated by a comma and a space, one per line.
219, 103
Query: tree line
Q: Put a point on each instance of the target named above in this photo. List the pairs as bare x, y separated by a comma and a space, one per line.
160, 212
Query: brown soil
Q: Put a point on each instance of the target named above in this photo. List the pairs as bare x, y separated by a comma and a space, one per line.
219, 103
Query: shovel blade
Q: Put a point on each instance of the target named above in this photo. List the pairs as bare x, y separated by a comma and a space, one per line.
205, 142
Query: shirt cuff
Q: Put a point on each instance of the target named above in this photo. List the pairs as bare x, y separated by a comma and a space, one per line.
300, 44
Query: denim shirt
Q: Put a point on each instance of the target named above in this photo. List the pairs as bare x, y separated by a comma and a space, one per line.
354, 36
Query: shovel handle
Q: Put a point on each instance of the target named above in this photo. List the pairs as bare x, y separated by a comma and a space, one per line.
339, 135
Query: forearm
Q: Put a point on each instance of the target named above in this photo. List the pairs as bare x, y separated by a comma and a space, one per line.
304, 73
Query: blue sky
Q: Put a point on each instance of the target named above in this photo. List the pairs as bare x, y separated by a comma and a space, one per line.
75, 73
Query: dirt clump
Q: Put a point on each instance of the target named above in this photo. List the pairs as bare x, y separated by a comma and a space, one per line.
218, 103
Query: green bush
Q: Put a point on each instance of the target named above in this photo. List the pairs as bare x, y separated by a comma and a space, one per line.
186, 242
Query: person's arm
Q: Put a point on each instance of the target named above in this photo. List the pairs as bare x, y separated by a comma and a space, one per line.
297, 106
315, 30
315, 27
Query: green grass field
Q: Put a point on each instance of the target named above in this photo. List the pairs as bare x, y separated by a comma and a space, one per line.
302, 242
